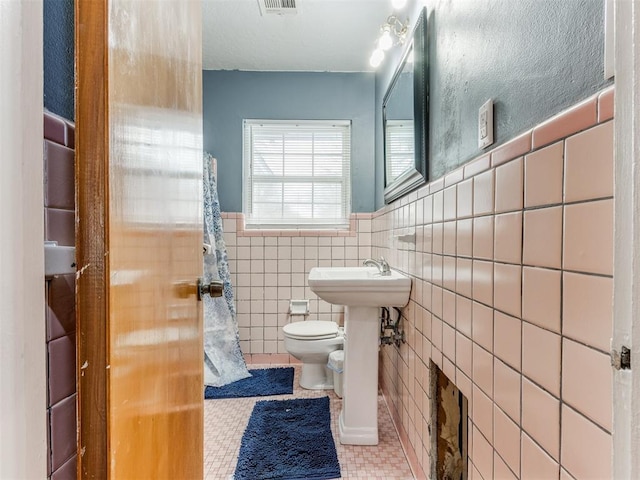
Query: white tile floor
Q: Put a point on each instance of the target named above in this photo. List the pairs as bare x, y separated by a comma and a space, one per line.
225, 422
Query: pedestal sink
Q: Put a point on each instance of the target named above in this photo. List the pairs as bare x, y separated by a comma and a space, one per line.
362, 290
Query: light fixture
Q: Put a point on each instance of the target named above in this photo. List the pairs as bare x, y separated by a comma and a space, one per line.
376, 58
385, 42
393, 32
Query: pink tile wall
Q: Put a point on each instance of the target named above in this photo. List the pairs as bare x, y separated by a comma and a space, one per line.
270, 268
512, 296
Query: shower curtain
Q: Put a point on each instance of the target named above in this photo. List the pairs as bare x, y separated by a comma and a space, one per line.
223, 360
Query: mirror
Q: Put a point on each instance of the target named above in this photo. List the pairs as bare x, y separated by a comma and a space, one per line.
404, 119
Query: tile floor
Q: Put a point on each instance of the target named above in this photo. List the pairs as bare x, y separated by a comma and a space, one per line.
225, 422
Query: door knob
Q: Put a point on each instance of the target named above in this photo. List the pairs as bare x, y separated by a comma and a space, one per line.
213, 288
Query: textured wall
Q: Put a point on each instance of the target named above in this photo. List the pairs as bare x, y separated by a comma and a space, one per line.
231, 96
58, 57
532, 57
512, 268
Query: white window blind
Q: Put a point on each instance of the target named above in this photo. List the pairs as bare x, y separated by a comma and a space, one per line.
399, 148
297, 174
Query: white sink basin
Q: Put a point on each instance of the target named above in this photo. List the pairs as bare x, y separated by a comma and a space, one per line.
360, 286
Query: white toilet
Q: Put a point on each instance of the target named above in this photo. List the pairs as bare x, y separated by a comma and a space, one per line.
311, 342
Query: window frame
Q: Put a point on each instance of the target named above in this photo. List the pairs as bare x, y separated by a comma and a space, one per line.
252, 223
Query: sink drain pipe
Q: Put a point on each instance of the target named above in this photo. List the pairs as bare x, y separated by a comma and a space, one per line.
390, 330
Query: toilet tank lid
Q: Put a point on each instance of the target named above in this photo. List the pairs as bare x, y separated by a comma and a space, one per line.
311, 328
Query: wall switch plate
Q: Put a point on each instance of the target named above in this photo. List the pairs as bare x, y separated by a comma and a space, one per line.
485, 124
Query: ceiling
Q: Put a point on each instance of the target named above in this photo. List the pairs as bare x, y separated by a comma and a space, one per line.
324, 35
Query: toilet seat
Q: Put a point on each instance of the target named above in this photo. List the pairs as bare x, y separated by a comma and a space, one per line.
311, 330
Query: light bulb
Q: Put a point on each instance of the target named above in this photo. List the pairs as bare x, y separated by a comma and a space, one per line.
376, 58
398, 4
385, 42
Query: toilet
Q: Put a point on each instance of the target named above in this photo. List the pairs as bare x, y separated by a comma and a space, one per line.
311, 342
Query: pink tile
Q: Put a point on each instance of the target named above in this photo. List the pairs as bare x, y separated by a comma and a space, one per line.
542, 232
436, 185
506, 389
541, 357
512, 149
448, 341
507, 293
483, 282
564, 475
483, 193
501, 470
449, 273
477, 166
587, 304
536, 464
586, 449
541, 290
507, 339
427, 209
483, 369
437, 239
508, 238
541, 417
438, 206
464, 237
509, 186
543, 176
436, 332
427, 238
573, 120
464, 276
483, 237
483, 326
449, 238
586, 382
588, 164
465, 199
482, 456
463, 315
454, 177
588, 237
482, 416
450, 203
463, 354
506, 438
606, 104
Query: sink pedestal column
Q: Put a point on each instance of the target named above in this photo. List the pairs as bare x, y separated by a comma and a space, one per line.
359, 415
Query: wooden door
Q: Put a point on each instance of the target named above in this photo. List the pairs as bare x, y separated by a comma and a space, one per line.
139, 238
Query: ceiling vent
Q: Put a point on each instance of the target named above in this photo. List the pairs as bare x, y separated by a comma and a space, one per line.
278, 7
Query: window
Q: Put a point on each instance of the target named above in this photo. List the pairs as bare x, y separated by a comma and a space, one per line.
297, 174
399, 147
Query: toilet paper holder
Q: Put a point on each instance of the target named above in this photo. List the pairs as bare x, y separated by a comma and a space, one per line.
299, 307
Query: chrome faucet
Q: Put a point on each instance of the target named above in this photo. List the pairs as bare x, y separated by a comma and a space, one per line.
382, 265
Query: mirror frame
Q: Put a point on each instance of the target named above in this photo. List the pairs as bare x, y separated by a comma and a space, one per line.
412, 178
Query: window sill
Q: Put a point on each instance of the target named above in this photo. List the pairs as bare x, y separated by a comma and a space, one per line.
241, 231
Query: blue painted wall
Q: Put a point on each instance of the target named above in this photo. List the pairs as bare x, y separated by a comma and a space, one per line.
231, 96
534, 58
59, 94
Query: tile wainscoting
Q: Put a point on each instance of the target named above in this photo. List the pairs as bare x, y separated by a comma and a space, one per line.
512, 268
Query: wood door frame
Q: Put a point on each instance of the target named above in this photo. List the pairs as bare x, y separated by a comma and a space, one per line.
92, 227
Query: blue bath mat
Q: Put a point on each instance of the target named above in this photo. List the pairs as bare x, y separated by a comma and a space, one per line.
262, 382
288, 440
